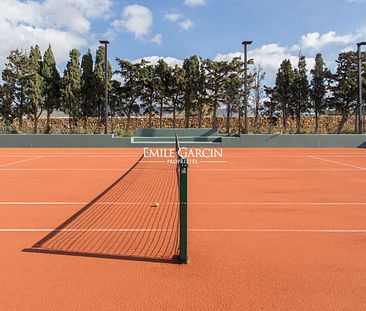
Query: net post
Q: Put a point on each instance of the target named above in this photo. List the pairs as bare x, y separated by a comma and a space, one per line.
183, 210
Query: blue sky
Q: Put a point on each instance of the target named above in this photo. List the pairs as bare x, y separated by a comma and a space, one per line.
180, 28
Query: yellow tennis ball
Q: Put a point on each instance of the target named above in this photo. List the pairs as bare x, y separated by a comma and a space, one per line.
157, 204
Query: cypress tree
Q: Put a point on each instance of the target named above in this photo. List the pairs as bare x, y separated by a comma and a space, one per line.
52, 81
87, 80
71, 88
99, 84
318, 88
300, 96
162, 77
283, 90
176, 91
35, 87
192, 74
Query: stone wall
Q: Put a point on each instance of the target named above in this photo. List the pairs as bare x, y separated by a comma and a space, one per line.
327, 125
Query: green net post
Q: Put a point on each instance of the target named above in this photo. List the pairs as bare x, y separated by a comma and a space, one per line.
183, 210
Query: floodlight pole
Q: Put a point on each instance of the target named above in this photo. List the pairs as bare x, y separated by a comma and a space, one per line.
361, 128
105, 42
245, 44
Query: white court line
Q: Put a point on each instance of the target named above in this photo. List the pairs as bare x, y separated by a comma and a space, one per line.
71, 153
21, 161
72, 156
152, 162
254, 155
68, 169
189, 203
85, 230
272, 169
191, 169
190, 230
291, 156
277, 203
282, 230
343, 155
336, 162
85, 203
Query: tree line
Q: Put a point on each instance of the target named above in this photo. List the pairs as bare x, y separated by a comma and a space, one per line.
294, 95
32, 85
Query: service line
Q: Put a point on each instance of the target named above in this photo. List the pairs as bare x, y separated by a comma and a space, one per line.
336, 162
20, 161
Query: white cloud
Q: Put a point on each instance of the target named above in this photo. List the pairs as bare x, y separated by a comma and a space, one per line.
154, 60
157, 39
91, 8
186, 24
173, 17
63, 24
136, 19
194, 3
269, 56
68, 15
348, 49
316, 41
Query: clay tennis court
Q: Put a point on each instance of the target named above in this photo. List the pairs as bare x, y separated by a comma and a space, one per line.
269, 229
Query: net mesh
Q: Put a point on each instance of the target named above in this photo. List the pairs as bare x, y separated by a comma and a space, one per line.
137, 217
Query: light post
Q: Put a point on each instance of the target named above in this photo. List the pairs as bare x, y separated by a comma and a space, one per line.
360, 103
105, 42
245, 44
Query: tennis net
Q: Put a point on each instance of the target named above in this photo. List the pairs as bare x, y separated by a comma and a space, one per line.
141, 216
182, 169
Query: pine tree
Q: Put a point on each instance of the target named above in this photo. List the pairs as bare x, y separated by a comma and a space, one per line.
149, 91
216, 74
232, 90
35, 86
6, 111
71, 88
132, 88
270, 107
344, 87
15, 75
52, 82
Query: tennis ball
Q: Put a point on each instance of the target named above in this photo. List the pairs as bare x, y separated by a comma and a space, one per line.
157, 204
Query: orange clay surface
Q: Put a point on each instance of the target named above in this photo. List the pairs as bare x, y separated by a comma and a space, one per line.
270, 229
